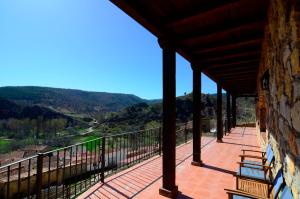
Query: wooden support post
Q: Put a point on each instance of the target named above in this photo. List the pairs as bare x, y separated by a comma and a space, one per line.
228, 112
233, 111
39, 176
169, 188
219, 113
196, 117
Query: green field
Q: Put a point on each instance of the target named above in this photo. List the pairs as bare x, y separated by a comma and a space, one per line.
5, 145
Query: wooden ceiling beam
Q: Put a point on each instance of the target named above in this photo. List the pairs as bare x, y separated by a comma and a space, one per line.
245, 31
224, 14
238, 73
231, 56
235, 68
239, 45
232, 64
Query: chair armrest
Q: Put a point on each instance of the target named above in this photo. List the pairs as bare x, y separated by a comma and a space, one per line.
265, 167
242, 193
253, 156
244, 150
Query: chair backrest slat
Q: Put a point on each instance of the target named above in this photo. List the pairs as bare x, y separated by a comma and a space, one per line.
270, 155
278, 182
268, 148
286, 193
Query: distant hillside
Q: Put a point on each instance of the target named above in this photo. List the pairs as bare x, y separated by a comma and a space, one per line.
145, 115
69, 100
9, 109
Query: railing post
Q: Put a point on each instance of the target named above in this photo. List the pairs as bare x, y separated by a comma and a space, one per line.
103, 159
39, 175
159, 141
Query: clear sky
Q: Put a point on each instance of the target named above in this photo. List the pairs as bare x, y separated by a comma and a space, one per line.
89, 45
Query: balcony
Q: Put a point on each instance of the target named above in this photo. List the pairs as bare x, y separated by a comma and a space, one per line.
144, 179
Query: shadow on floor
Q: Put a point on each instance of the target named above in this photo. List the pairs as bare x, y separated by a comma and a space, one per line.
182, 196
132, 182
218, 169
241, 144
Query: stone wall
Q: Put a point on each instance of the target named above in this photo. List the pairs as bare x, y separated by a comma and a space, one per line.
280, 57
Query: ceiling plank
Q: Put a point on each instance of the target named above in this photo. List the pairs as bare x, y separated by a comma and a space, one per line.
239, 45
226, 57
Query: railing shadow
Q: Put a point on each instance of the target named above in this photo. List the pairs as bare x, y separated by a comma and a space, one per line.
218, 169
182, 196
131, 183
248, 145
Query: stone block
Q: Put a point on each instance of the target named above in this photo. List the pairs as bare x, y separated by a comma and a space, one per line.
295, 114
292, 143
285, 109
296, 86
295, 62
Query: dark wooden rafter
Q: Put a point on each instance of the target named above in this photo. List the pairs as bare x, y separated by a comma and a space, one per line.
235, 68
237, 74
238, 63
238, 55
227, 36
222, 48
219, 17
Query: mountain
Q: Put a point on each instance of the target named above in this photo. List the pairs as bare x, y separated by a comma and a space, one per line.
143, 115
9, 109
69, 100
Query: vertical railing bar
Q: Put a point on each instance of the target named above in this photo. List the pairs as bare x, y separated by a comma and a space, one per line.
81, 161
28, 181
103, 159
95, 161
99, 158
124, 150
131, 150
76, 168
57, 174
70, 174
116, 155
86, 161
91, 159
160, 140
63, 178
19, 179
120, 151
8, 182
106, 139
49, 170
127, 149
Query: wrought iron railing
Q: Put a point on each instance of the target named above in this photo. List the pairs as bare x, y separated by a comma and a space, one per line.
67, 172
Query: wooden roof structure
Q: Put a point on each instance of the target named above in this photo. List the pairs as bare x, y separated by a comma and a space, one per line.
221, 37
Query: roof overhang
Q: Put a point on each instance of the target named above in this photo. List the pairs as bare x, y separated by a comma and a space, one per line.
221, 37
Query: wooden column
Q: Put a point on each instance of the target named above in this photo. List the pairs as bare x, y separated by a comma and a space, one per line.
169, 189
233, 111
196, 117
219, 113
228, 111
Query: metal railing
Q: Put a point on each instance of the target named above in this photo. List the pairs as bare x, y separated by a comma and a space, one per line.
69, 171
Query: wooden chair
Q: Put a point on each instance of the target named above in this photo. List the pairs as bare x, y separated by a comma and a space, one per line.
264, 158
256, 170
277, 185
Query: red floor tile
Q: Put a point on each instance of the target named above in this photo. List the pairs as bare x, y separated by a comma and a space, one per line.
144, 180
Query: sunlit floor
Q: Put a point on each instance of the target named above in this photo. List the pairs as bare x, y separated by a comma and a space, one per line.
144, 180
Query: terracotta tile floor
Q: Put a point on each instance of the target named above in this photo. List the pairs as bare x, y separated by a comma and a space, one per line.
144, 180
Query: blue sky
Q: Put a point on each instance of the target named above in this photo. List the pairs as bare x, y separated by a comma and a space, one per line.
89, 45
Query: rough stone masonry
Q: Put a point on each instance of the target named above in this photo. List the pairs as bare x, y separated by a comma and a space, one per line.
280, 56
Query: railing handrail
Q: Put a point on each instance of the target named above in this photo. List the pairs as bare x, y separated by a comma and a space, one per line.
86, 162
18, 161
